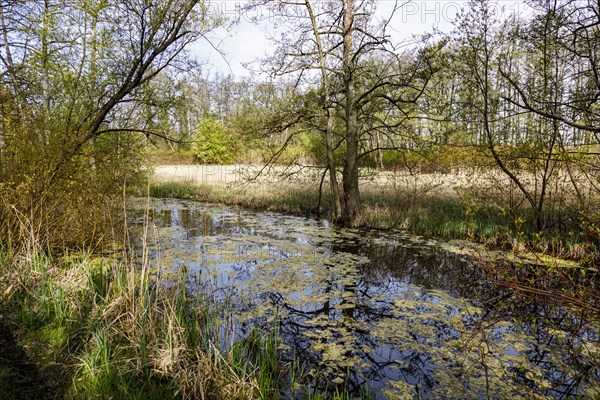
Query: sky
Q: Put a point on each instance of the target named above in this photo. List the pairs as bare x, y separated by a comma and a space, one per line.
247, 41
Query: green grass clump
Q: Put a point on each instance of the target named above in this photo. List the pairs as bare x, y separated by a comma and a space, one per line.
96, 328
433, 216
179, 190
292, 199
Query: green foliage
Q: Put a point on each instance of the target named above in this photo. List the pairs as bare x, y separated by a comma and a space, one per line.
212, 143
246, 126
70, 140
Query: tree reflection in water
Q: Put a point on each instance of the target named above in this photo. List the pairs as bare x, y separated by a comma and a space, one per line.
389, 311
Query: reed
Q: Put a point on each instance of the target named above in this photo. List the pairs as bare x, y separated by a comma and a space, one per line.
109, 328
426, 213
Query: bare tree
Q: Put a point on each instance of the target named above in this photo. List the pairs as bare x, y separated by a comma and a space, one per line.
356, 65
531, 88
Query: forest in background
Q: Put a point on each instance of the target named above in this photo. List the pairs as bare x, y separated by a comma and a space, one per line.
519, 96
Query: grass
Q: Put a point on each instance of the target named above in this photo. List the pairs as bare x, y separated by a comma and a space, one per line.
178, 190
295, 200
431, 215
114, 335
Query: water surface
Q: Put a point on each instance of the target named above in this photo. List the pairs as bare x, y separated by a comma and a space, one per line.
398, 313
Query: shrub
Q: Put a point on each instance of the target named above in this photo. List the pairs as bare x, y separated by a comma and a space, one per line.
212, 144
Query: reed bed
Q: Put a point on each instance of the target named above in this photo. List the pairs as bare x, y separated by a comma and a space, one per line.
102, 327
430, 213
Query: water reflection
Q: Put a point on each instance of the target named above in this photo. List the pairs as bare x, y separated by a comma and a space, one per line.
361, 307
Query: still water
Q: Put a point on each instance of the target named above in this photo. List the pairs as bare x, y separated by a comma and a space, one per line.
404, 316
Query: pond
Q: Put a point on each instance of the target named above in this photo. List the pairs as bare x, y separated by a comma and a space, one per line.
404, 316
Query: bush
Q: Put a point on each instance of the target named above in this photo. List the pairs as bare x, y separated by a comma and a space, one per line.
78, 204
212, 144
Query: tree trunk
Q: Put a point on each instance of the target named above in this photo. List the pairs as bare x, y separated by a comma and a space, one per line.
379, 151
45, 71
351, 204
333, 182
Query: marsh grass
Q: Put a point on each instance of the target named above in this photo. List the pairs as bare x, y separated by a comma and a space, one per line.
99, 321
429, 215
418, 210
181, 190
108, 328
118, 336
286, 198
